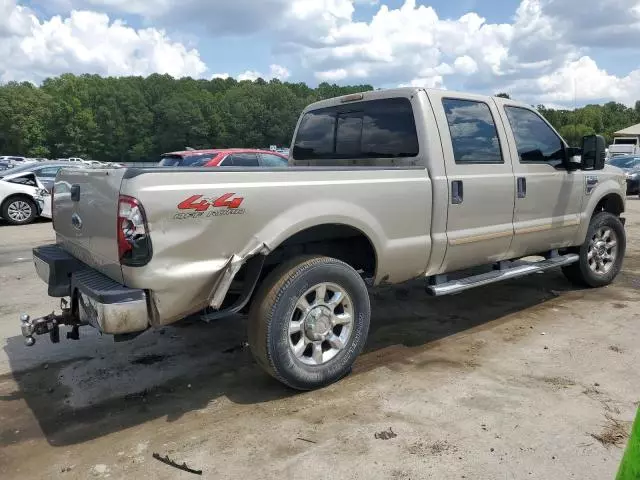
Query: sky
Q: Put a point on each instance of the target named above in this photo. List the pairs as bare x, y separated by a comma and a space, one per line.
559, 53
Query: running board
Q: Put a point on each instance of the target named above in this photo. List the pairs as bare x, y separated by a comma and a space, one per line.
456, 286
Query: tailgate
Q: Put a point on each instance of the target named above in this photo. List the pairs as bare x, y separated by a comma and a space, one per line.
85, 208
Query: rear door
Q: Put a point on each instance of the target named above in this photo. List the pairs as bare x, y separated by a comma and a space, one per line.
271, 160
85, 209
241, 160
480, 180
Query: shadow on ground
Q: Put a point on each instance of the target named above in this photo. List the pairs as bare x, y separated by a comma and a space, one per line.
176, 370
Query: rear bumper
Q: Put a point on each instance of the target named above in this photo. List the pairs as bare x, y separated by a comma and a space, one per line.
107, 305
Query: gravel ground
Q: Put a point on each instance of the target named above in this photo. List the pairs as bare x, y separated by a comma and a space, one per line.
527, 379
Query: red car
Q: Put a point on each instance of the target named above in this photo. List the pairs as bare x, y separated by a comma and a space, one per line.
224, 157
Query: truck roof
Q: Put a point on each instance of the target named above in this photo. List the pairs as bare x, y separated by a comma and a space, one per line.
398, 92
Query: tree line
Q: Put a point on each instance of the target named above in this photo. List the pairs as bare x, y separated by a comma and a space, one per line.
137, 119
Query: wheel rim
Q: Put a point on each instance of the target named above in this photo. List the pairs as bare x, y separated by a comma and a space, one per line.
603, 251
321, 324
19, 211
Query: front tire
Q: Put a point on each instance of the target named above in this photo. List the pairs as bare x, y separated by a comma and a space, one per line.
601, 254
309, 321
19, 211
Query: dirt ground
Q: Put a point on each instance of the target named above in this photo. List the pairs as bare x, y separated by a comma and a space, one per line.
527, 379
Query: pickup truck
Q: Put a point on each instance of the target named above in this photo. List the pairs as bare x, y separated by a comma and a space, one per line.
624, 146
382, 187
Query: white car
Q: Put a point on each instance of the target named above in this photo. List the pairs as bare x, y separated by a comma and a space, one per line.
23, 198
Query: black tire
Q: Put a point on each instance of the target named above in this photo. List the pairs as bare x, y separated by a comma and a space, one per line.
580, 273
15, 201
274, 306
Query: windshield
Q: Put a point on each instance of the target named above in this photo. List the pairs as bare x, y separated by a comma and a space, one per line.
625, 141
186, 161
625, 162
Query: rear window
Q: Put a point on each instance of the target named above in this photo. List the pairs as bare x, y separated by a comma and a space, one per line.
372, 129
186, 161
625, 141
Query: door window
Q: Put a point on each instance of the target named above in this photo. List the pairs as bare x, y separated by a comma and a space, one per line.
48, 172
270, 160
474, 137
241, 160
535, 140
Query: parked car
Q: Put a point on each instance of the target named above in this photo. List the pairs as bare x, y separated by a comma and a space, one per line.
5, 165
228, 157
13, 160
630, 165
23, 198
45, 171
384, 186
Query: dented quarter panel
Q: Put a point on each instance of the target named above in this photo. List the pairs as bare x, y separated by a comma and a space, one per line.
195, 258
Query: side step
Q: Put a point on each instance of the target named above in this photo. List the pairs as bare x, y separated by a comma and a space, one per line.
522, 269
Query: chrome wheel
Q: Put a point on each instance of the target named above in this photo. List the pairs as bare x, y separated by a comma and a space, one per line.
603, 250
19, 211
321, 324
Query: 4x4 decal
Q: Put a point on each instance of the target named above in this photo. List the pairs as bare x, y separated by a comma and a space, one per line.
197, 206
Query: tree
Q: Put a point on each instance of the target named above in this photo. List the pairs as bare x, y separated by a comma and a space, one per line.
137, 119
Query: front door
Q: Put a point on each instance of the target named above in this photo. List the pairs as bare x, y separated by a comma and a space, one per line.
548, 197
480, 180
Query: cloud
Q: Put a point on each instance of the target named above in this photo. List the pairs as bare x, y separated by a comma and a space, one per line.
534, 56
222, 76
86, 42
275, 72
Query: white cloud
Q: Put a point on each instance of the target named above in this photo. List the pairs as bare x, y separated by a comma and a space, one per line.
465, 65
250, 75
275, 72
534, 56
86, 42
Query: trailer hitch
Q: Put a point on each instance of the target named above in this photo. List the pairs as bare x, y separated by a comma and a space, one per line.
49, 324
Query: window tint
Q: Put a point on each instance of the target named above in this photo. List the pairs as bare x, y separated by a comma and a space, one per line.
270, 160
315, 138
48, 172
473, 132
372, 129
535, 140
241, 160
625, 162
186, 161
349, 135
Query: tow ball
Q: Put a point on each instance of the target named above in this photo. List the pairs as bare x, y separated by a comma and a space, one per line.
49, 324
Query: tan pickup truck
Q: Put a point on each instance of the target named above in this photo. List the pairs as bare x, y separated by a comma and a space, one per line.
382, 187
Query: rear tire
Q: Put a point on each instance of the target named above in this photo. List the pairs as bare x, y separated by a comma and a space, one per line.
19, 210
602, 253
302, 337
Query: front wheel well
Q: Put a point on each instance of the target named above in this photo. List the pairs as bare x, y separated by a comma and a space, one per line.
611, 203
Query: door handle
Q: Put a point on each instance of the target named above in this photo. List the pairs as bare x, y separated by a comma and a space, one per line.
457, 192
75, 192
522, 187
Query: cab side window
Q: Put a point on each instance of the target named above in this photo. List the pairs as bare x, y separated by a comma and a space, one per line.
535, 140
474, 137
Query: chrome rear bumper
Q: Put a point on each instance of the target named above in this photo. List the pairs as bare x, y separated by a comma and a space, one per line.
101, 302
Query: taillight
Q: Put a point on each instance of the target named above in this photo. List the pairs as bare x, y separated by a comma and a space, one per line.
134, 244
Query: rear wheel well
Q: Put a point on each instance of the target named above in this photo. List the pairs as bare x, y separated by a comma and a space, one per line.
611, 203
339, 241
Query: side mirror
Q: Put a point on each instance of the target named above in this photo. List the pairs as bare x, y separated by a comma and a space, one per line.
593, 152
